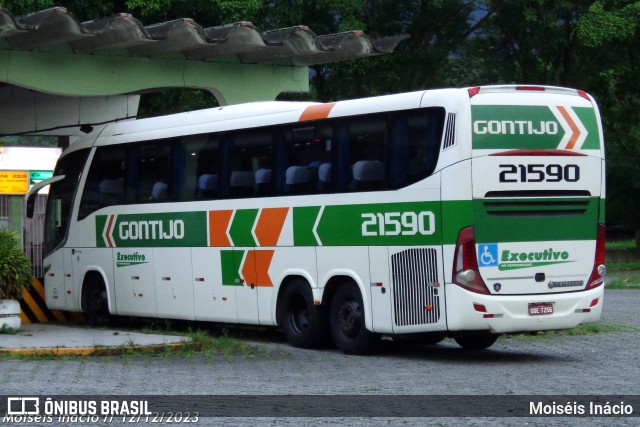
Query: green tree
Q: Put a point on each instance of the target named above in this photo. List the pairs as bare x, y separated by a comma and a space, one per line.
587, 45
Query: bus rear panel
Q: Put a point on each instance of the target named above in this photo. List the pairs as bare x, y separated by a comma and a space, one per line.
534, 257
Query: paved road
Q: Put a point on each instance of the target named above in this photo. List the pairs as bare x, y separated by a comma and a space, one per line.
602, 364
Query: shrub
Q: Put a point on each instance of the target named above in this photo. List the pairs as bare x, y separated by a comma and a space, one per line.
15, 267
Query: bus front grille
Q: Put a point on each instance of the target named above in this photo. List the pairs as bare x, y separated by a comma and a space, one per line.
415, 299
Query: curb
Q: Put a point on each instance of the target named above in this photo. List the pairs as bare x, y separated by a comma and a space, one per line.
94, 351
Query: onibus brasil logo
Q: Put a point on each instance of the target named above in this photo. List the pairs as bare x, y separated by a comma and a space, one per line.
509, 259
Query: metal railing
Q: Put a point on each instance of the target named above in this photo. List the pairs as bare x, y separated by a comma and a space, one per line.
34, 236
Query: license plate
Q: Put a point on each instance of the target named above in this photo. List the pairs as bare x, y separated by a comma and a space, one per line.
540, 309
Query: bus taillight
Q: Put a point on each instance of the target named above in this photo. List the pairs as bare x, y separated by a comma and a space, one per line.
465, 268
599, 268
532, 88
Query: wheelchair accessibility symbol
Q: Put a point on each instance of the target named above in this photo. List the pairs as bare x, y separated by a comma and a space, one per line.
488, 256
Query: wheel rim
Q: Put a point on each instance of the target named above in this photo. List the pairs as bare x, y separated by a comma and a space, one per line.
299, 316
350, 316
96, 301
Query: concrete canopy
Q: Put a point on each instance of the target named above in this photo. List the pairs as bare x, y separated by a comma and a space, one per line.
57, 73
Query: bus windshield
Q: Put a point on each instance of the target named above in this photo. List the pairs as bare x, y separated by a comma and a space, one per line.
60, 200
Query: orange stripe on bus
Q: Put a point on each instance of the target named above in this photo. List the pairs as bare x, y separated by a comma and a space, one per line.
218, 225
316, 112
270, 225
572, 125
255, 270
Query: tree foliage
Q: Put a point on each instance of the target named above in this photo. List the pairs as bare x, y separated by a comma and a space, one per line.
15, 267
591, 45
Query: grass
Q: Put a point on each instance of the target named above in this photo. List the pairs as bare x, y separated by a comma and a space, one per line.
621, 244
629, 282
620, 266
587, 329
201, 343
6, 330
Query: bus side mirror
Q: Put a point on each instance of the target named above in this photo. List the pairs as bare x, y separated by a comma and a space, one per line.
33, 193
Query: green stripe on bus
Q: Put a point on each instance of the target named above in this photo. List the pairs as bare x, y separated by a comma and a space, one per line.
378, 224
170, 229
456, 215
588, 118
241, 227
531, 127
101, 223
304, 219
230, 262
535, 220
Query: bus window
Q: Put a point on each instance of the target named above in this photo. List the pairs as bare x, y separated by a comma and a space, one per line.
105, 182
415, 143
252, 163
202, 156
149, 172
362, 144
307, 155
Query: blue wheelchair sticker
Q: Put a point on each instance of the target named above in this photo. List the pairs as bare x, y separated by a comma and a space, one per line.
487, 254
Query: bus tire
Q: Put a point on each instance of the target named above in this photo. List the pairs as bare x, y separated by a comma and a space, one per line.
476, 341
347, 321
426, 338
305, 324
94, 300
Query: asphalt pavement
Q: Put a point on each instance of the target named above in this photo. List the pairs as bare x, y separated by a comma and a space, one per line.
80, 340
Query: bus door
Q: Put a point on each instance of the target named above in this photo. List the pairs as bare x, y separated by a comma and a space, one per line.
214, 295
174, 283
54, 281
135, 281
380, 289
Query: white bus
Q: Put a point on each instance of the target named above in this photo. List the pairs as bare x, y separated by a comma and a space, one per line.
465, 213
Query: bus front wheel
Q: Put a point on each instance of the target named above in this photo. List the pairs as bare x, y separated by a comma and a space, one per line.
304, 323
476, 341
347, 321
94, 300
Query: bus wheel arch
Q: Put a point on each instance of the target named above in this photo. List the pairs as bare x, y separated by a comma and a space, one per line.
304, 323
94, 301
347, 318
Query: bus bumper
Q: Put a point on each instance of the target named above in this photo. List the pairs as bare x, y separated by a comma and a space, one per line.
468, 311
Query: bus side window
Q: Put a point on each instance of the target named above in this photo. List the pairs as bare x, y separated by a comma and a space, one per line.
105, 182
149, 168
201, 168
252, 163
415, 145
362, 145
307, 148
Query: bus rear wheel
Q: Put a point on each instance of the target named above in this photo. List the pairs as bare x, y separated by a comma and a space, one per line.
476, 341
304, 323
347, 321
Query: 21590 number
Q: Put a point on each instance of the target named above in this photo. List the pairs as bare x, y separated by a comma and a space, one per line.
539, 173
398, 223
